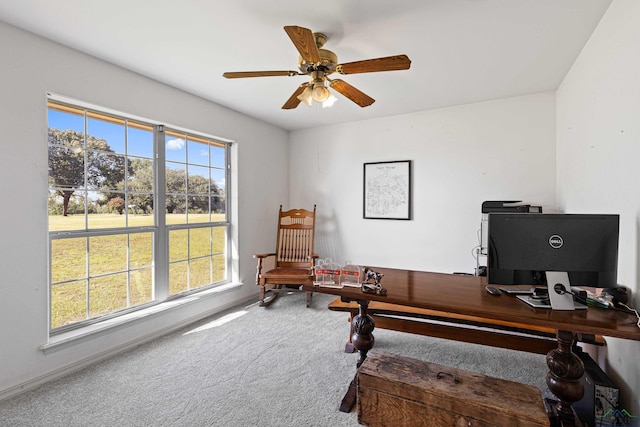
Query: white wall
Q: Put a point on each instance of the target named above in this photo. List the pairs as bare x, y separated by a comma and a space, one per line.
461, 156
598, 139
31, 66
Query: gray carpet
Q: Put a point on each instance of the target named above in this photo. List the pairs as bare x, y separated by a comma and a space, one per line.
278, 366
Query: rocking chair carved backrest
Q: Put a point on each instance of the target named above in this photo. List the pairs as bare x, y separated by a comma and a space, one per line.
294, 246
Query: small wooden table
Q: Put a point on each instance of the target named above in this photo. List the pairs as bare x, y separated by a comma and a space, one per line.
466, 295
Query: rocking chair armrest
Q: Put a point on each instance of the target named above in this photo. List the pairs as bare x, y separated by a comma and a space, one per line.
261, 256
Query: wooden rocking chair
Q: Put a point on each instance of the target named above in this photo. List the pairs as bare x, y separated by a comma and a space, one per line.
293, 261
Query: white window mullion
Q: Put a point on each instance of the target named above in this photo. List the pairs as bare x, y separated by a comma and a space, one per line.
161, 242
88, 279
85, 190
128, 270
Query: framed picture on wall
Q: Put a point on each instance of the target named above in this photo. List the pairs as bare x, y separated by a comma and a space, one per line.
387, 190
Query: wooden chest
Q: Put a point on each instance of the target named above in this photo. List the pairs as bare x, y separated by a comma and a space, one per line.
398, 391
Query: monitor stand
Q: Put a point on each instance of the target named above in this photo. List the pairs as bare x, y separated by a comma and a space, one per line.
560, 300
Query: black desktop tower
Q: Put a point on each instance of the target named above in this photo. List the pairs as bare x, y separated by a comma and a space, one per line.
599, 405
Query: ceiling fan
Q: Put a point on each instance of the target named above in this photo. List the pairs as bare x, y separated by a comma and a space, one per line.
319, 64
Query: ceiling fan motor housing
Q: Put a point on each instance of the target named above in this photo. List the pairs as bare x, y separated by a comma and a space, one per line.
328, 59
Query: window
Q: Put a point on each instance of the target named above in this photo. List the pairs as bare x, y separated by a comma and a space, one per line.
111, 249
196, 210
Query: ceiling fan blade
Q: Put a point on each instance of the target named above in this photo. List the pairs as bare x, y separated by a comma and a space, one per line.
389, 63
355, 95
304, 41
243, 74
293, 101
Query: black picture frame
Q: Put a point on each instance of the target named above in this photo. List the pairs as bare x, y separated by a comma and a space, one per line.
387, 190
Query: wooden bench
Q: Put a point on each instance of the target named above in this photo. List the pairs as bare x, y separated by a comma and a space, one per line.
394, 391
458, 327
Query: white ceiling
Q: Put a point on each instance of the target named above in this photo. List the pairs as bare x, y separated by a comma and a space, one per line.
462, 51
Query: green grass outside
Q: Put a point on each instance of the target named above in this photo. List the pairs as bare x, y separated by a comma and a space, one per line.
196, 259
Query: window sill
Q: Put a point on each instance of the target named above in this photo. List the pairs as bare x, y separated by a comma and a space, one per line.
60, 341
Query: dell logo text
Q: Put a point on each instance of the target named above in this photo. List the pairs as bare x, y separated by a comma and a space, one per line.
556, 241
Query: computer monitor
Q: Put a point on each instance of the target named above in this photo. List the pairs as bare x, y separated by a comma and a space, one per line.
522, 247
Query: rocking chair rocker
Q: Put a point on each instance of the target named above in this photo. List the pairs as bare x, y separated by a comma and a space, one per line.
293, 261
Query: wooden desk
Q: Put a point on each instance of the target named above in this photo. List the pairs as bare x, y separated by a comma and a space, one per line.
459, 327
466, 295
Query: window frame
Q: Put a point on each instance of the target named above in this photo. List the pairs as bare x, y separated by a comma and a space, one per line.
160, 230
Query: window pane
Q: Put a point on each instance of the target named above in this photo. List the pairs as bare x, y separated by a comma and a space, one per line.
140, 140
109, 132
140, 250
75, 207
107, 294
141, 187
218, 241
176, 178
198, 209
218, 209
66, 120
107, 210
199, 242
177, 209
199, 272
218, 178
140, 213
141, 286
107, 254
68, 303
178, 245
175, 149
198, 153
68, 259
217, 154
219, 268
198, 180
140, 203
141, 175
105, 171
178, 278
66, 165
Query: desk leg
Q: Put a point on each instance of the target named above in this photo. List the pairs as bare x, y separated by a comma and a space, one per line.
363, 340
348, 347
563, 379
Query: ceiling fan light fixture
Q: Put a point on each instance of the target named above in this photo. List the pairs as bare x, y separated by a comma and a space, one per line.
305, 96
320, 93
330, 100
